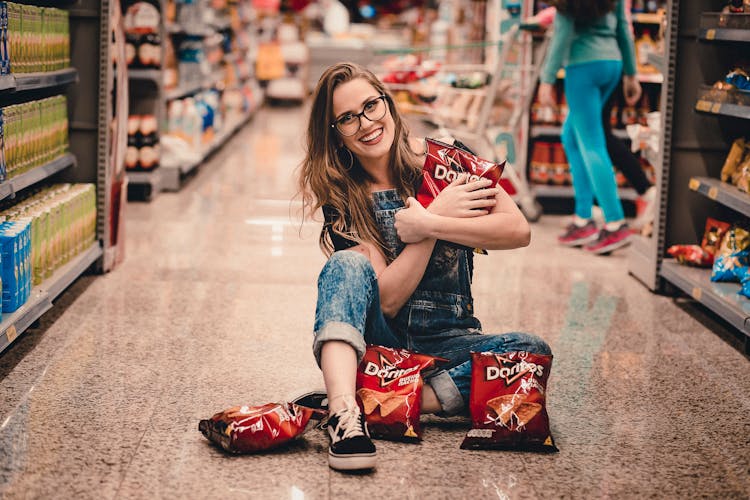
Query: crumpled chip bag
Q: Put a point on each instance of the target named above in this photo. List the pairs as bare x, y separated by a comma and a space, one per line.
692, 255
444, 163
389, 391
733, 253
507, 402
249, 429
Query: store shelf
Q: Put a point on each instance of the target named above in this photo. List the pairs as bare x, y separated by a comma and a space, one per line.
724, 27
15, 184
178, 29
721, 298
182, 91
721, 192
647, 18
549, 191
556, 131
40, 301
724, 109
153, 75
658, 61
67, 274
642, 77
10, 84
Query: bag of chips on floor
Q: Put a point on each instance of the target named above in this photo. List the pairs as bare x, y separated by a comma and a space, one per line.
389, 391
733, 254
248, 429
445, 162
507, 402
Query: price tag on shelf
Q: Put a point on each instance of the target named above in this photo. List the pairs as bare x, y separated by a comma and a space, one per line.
716, 108
703, 105
11, 333
694, 184
697, 293
710, 34
713, 192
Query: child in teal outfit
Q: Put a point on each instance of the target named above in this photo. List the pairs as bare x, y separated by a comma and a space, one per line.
592, 41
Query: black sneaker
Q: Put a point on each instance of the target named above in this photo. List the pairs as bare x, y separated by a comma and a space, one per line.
351, 447
317, 399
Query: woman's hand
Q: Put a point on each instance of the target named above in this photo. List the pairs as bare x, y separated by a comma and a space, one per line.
631, 87
412, 222
547, 95
465, 199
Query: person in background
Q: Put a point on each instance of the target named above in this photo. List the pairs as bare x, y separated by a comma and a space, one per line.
398, 274
618, 149
592, 41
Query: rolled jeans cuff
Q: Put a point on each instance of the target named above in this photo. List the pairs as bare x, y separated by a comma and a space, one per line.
447, 393
343, 332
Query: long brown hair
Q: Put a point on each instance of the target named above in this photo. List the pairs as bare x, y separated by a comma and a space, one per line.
584, 11
332, 178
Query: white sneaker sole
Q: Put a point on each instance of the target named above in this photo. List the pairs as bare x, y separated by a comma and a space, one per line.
360, 461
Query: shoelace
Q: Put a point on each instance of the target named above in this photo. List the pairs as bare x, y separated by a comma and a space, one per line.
351, 423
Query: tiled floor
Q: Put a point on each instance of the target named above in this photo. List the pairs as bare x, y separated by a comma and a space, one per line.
213, 307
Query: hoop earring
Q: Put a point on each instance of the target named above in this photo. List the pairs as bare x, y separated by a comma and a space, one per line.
351, 158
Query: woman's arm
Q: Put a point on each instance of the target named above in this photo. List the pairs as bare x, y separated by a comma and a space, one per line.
625, 40
504, 227
398, 280
559, 48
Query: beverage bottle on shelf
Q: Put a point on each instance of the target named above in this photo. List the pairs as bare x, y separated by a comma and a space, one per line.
560, 167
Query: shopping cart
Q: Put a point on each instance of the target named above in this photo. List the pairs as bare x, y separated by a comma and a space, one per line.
483, 104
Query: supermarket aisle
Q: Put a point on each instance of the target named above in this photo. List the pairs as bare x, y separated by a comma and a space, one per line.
214, 307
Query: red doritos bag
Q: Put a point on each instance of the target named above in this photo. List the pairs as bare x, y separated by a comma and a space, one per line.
444, 162
389, 391
247, 429
508, 402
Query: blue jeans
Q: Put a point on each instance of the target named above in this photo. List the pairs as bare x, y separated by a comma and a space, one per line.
348, 310
587, 88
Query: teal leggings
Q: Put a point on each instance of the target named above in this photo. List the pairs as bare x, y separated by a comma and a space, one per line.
587, 88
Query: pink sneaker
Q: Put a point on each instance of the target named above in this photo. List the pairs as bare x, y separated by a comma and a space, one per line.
575, 236
609, 241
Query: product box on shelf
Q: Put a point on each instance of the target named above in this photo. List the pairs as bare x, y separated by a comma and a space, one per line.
15, 251
34, 133
62, 221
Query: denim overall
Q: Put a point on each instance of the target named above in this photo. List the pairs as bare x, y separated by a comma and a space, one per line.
437, 319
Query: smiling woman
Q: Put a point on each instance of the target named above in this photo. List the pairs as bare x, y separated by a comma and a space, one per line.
398, 275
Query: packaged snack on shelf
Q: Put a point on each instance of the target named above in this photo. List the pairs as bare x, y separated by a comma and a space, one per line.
692, 255
713, 235
733, 254
15, 250
249, 429
389, 391
508, 402
734, 158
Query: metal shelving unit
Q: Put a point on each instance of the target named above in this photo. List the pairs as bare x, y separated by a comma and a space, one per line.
721, 298
166, 177
699, 124
721, 192
15, 184
658, 61
556, 131
550, 191
88, 87
10, 84
724, 27
722, 109
171, 177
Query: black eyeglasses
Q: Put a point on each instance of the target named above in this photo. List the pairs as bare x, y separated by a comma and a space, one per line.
350, 123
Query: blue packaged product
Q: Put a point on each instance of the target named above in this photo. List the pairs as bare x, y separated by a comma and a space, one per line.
733, 254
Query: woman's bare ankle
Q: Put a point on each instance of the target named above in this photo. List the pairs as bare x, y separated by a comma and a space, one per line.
430, 402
